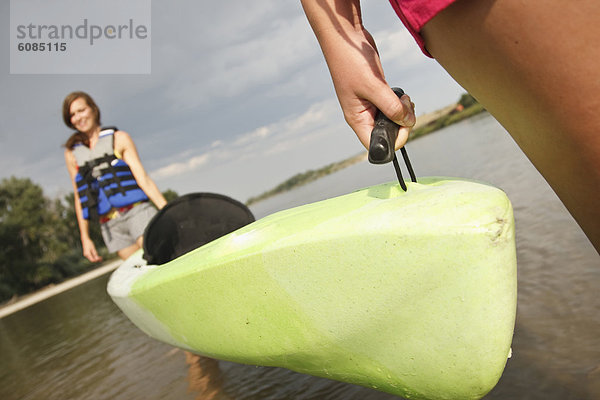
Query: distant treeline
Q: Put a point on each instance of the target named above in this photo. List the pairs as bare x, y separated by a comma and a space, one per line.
305, 177
39, 238
466, 107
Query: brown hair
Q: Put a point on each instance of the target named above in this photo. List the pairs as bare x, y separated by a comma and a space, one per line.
78, 137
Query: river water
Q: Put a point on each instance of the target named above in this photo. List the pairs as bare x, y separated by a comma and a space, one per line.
78, 345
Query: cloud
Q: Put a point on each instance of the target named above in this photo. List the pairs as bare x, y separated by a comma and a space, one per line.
257, 134
236, 89
396, 47
276, 51
282, 135
181, 167
268, 140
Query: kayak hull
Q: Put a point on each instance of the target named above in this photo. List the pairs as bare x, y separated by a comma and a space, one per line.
409, 293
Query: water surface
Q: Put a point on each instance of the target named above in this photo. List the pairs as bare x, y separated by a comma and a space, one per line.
78, 345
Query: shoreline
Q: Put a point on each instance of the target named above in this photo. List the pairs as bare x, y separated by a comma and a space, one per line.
13, 306
426, 124
52, 290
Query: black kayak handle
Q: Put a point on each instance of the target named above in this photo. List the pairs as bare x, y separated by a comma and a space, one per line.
383, 141
383, 137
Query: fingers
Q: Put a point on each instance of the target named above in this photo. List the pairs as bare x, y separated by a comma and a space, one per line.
402, 137
91, 254
362, 123
93, 257
407, 121
400, 110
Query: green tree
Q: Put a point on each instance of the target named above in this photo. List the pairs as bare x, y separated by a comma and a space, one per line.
466, 100
170, 195
26, 236
39, 238
69, 260
66, 210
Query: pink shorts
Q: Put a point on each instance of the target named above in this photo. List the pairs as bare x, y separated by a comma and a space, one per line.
416, 13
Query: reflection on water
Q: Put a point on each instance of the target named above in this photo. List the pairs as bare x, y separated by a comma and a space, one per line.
78, 345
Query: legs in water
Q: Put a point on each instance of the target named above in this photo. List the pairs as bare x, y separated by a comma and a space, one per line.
129, 250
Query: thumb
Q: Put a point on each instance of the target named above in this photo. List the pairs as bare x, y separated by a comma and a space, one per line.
400, 110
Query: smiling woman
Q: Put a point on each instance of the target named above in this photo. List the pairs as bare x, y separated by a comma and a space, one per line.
110, 184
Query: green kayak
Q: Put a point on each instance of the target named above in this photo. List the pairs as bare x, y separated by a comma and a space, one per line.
412, 293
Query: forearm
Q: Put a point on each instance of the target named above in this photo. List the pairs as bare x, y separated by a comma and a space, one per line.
149, 187
84, 230
337, 25
89, 249
329, 18
355, 68
82, 223
87, 244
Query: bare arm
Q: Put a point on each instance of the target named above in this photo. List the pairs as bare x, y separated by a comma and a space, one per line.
355, 68
125, 146
89, 249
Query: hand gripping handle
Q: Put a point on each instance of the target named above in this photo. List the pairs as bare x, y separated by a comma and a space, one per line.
383, 141
383, 137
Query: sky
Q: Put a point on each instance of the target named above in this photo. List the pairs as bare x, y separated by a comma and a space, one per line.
238, 99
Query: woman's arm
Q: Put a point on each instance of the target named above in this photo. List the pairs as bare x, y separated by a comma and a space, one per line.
89, 249
125, 146
355, 68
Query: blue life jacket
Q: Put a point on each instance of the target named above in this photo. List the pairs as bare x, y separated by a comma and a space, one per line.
103, 180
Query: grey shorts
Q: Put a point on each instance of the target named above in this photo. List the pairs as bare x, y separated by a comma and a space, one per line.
124, 230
